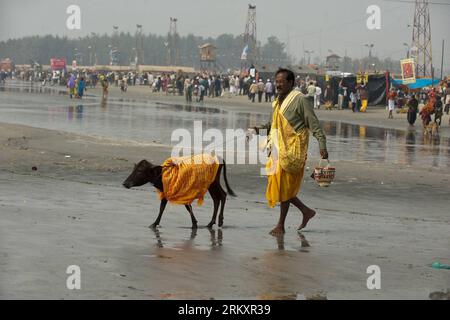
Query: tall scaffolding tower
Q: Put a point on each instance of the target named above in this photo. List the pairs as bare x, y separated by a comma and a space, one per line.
139, 53
250, 51
172, 44
421, 40
114, 47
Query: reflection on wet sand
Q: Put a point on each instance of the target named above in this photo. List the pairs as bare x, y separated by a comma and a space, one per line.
188, 108
283, 268
80, 112
216, 241
216, 238
363, 143
303, 242
159, 242
280, 241
103, 104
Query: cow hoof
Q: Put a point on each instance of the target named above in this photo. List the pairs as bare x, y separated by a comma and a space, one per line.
210, 225
153, 226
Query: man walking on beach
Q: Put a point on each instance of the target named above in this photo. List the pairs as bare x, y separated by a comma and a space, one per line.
438, 110
269, 91
391, 103
188, 89
261, 88
292, 120
218, 86
318, 94
447, 99
81, 87
340, 95
363, 97
253, 91
354, 100
413, 107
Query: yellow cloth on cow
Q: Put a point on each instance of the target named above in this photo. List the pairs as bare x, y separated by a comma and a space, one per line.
188, 178
286, 164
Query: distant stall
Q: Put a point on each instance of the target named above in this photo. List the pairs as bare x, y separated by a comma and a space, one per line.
6, 65
377, 84
58, 64
420, 83
377, 87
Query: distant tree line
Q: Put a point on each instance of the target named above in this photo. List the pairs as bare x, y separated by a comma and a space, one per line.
96, 48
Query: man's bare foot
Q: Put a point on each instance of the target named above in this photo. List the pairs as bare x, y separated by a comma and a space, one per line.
277, 231
307, 215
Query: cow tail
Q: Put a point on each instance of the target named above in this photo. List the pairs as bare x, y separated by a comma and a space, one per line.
230, 192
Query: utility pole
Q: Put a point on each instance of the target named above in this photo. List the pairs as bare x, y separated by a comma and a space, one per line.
90, 55
442, 59
304, 59
320, 47
309, 52
345, 62
409, 48
287, 42
370, 46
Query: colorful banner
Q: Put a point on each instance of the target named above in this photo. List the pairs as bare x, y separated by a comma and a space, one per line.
408, 72
58, 64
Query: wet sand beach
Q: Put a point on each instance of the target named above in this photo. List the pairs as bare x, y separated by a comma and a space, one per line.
388, 205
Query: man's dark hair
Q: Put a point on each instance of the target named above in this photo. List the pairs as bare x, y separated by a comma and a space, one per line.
290, 76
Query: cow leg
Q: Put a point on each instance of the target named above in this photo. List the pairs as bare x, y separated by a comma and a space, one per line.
215, 195
162, 206
194, 221
223, 198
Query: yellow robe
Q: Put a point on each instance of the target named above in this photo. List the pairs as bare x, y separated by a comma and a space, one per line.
363, 105
286, 164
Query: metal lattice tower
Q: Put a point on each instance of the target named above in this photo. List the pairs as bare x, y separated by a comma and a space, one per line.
139, 45
114, 50
421, 39
173, 51
250, 37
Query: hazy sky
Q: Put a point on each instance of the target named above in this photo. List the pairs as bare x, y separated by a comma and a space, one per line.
319, 25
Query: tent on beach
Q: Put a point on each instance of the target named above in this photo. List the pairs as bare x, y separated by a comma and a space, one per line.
420, 83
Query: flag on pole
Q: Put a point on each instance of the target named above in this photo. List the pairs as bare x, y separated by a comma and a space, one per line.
244, 53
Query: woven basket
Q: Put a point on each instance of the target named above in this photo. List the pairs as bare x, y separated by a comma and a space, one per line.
324, 175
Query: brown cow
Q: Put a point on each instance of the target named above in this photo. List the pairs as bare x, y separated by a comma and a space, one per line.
145, 172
